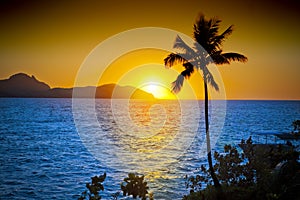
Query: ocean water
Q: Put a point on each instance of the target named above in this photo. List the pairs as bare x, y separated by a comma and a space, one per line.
49, 150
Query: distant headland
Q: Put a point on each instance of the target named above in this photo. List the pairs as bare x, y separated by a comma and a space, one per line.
25, 86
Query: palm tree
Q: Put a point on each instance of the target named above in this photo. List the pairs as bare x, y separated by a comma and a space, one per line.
206, 36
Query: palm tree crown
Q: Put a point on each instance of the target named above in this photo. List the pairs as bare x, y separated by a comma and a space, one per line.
207, 48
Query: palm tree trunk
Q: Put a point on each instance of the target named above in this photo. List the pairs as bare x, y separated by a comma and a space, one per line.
209, 157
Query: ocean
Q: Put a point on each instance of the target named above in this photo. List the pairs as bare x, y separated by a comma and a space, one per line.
49, 148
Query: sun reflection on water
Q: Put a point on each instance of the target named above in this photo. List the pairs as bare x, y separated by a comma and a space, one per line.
159, 120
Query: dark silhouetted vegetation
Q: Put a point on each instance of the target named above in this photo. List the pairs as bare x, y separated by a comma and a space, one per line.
94, 188
133, 185
271, 174
296, 125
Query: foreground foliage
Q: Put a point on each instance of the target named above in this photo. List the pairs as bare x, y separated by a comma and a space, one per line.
271, 174
94, 188
133, 185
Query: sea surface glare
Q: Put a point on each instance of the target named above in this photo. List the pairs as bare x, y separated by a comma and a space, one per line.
43, 154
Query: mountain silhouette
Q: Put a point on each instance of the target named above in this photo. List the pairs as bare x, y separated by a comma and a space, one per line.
23, 85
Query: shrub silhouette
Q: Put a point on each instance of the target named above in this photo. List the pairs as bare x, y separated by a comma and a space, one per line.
273, 174
135, 186
94, 188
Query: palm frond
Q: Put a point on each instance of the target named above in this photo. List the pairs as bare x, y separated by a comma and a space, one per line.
218, 40
180, 44
218, 58
209, 78
235, 57
213, 27
189, 69
173, 59
201, 31
186, 57
205, 32
178, 83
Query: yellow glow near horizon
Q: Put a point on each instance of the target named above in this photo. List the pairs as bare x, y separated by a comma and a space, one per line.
158, 91
145, 67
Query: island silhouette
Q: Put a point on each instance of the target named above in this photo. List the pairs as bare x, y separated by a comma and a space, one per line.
22, 85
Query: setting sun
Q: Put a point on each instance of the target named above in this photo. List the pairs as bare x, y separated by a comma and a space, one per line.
143, 68
158, 91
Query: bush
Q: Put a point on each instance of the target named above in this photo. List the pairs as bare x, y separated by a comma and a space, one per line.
135, 186
94, 188
250, 174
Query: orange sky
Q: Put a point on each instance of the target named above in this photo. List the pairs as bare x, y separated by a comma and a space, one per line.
51, 39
